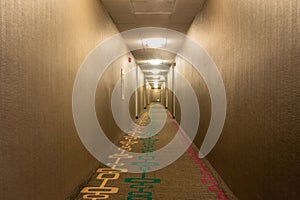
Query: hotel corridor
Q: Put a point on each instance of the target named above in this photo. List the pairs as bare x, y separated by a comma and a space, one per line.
149, 99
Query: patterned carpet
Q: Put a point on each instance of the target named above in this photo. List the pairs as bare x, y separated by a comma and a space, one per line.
188, 178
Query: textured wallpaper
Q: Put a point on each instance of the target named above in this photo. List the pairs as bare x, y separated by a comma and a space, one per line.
255, 45
43, 44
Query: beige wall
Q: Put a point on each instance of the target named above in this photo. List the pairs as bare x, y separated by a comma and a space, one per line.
201, 92
255, 45
104, 92
141, 90
103, 96
43, 44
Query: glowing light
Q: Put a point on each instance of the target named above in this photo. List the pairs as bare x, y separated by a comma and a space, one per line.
155, 71
155, 62
154, 42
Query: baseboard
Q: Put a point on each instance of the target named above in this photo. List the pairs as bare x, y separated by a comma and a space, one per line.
228, 192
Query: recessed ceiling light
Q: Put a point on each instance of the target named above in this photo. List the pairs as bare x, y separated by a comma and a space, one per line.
155, 71
155, 62
154, 42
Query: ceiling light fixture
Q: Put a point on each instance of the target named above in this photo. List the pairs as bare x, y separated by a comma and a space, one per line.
155, 62
162, 78
155, 71
154, 42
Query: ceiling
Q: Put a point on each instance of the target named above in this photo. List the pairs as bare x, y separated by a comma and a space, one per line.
148, 54
177, 15
173, 14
